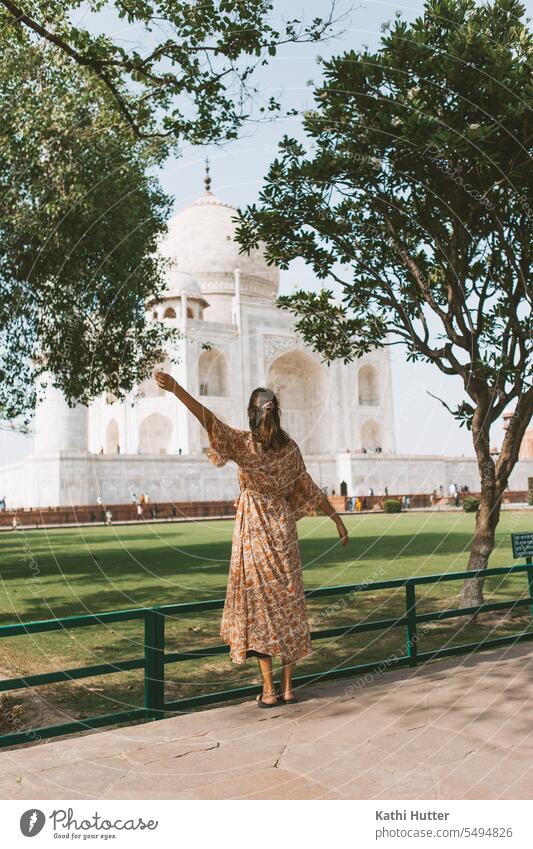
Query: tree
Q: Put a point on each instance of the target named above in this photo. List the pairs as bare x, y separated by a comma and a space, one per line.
414, 195
84, 121
192, 80
79, 227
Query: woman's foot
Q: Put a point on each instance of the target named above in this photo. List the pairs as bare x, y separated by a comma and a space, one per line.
285, 690
287, 696
268, 698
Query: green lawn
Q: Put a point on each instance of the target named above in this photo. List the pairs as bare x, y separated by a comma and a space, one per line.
56, 573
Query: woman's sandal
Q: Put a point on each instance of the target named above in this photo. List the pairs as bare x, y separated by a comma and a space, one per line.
262, 704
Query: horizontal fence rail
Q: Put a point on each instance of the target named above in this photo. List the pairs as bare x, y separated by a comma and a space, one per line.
156, 658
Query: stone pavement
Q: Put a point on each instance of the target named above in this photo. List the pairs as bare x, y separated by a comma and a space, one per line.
460, 729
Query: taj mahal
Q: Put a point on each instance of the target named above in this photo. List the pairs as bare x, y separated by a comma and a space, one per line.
232, 338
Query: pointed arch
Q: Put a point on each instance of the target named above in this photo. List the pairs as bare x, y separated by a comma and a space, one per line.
300, 384
370, 435
155, 433
112, 443
368, 386
213, 373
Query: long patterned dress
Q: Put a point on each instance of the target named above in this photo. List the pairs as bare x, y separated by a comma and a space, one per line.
265, 609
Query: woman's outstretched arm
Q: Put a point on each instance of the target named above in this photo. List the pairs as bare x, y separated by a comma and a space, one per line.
167, 382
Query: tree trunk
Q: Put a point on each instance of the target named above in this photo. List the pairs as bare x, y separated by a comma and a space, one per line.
494, 479
488, 513
487, 519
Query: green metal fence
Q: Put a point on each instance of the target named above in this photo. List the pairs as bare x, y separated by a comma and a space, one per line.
155, 658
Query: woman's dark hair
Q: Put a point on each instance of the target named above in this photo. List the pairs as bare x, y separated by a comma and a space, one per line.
264, 420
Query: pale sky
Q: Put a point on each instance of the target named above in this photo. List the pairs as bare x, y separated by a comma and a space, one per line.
422, 424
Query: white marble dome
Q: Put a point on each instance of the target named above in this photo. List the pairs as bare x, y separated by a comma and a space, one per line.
201, 241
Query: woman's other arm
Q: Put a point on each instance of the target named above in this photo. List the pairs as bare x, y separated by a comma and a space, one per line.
307, 494
167, 382
341, 527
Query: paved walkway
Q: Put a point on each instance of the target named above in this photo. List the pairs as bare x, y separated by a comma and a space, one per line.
460, 729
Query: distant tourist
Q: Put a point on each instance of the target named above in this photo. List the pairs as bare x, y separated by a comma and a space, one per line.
386, 491
3, 504
134, 498
154, 512
142, 499
14, 523
99, 501
265, 542
140, 511
358, 504
108, 517
174, 511
364, 503
370, 491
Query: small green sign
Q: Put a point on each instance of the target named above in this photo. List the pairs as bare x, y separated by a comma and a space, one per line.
522, 545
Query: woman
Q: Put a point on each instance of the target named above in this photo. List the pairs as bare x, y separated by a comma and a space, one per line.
265, 612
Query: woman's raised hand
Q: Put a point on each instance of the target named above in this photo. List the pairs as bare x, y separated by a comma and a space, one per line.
165, 381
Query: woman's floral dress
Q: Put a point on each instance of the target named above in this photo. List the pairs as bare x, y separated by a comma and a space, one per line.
265, 610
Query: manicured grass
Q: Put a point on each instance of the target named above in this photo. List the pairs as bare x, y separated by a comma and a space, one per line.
48, 574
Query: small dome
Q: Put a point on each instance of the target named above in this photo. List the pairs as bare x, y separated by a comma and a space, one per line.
201, 241
179, 281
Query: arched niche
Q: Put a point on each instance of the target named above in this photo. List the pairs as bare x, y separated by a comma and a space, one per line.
155, 433
170, 312
112, 437
300, 385
370, 435
368, 386
212, 373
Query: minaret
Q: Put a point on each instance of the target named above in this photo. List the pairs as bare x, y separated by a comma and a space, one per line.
59, 427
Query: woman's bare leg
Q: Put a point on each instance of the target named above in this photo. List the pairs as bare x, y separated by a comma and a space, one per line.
265, 666
286, 680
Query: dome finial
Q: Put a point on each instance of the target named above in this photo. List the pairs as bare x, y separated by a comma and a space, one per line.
207, 178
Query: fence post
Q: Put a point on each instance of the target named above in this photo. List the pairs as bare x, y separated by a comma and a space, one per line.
530, 581
410, 612
154, 666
